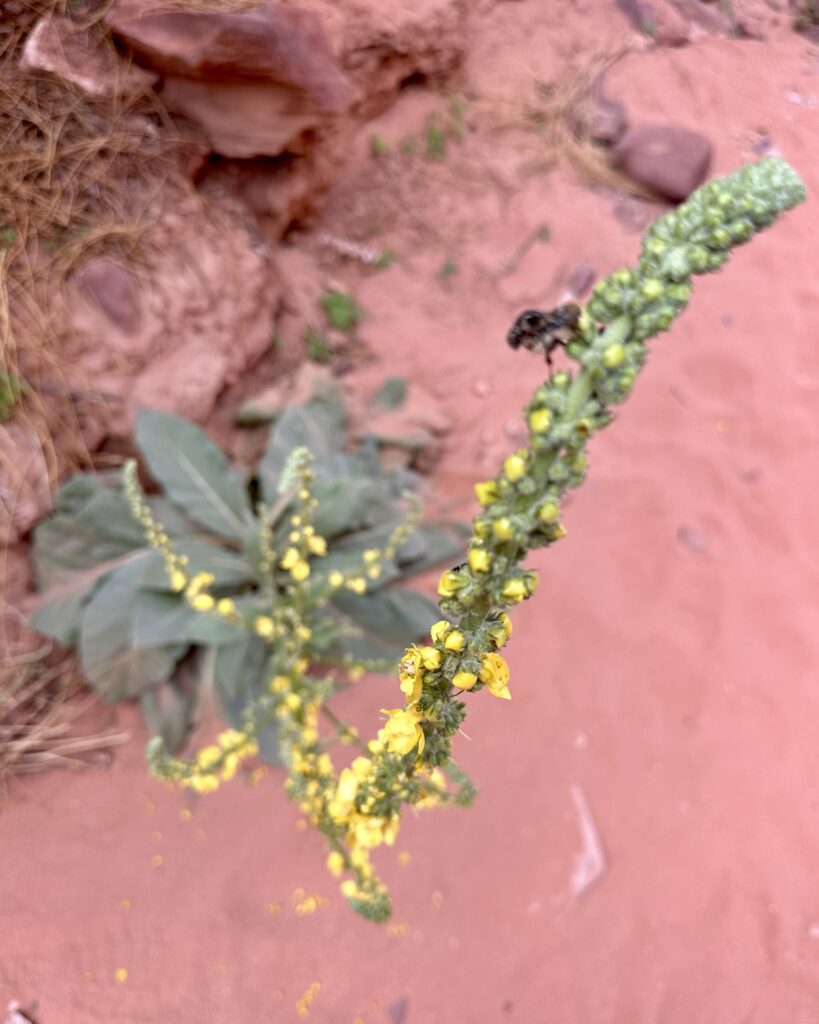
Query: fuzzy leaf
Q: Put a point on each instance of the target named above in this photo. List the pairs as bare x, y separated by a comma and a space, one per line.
168, 709
108, 657
240, 677
228, 568
390, 619
159, 619
318, 426
194, 473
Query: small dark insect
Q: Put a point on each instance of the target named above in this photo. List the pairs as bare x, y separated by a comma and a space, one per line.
543, 332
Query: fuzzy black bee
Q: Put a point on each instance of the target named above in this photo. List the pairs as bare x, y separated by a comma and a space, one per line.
543, 332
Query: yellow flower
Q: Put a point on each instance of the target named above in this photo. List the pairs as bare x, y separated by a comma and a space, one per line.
479, 560
207, 757
495, 673
451, 582
356, 672
455, 641
335, 579
368, 832
431, 657
263, 625
292, 702
335, 863
349, 889
343, 800
539, 421
371, 555
279, 684
229, 767
486, 492
357, 584
402, 731
501, 631
300, 571
464, 680
514, 466
411, 674
317, 545
613, 356
202, 783
291, 556
439, 630
178, 581
225, 606
503, 529
201, 602
515, 590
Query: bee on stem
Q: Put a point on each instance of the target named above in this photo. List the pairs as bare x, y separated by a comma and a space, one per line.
543, 332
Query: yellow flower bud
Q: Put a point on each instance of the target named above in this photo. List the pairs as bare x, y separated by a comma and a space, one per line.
335, 579
371, 555
507, 623
225, 606
486, 492
357, 584
202, 783
438, 631
349, 889
464, 680
540, 420
202, 602
503, 529
279, 684
207, 757
292, 702
514, 467
652, 288
613, 356
455, 641
479, 560
548, 512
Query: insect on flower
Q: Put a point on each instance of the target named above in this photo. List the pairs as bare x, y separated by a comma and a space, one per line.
543, 332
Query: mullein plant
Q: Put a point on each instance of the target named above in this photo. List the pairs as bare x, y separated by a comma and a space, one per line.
409, 761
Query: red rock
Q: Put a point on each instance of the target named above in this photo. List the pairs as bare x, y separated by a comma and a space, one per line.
668, 160
243, 119
114, 289
269, 43
61, 47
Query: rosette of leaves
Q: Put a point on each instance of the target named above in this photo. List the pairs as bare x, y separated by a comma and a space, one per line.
107, 594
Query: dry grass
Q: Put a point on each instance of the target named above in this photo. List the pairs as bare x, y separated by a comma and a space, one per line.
42, 707
79, 177
560, 114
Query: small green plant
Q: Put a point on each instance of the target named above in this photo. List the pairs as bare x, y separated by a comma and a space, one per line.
379, 147
385, 259
12, 388
448, 269
434, 138
316, 347
140, 631
341, 310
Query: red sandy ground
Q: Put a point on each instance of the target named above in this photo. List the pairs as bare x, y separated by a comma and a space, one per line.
666, 667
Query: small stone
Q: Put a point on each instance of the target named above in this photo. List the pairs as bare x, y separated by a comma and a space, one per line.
114, 289
309, 381
669, 160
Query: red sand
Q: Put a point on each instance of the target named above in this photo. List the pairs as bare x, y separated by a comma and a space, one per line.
666, 667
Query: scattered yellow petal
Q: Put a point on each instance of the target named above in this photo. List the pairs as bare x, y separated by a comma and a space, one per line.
274, 908
404, 857
121, 974
156, 860
125, 904
185, 814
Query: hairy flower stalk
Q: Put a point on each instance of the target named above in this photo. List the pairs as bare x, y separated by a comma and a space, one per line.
409, 761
